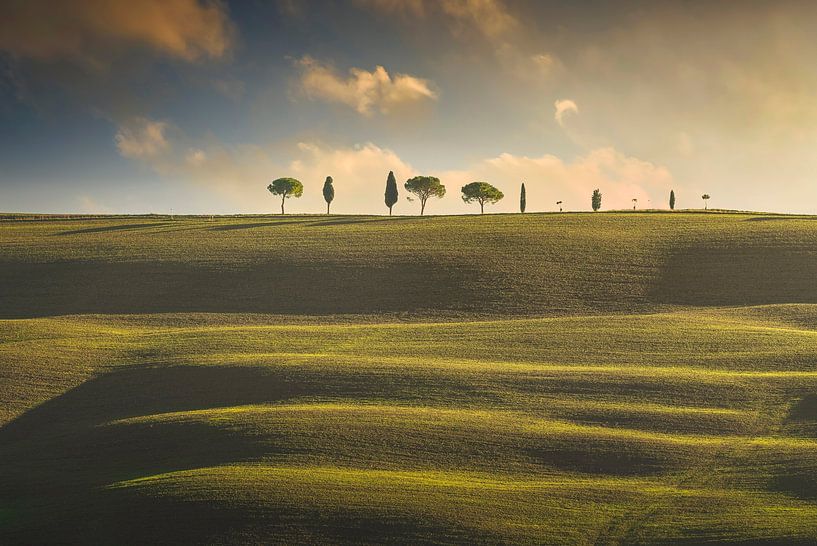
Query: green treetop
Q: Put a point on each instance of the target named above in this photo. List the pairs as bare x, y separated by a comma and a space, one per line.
286, 187
481, 192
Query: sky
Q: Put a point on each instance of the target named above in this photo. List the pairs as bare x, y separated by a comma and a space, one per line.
195, 106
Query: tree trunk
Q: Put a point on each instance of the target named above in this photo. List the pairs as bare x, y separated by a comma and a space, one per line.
422, 206
327, 208
390, 206
481, 207
282, 204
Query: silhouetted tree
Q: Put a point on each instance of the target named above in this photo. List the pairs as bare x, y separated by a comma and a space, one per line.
286, 188
560, 205
672, 200
481, 192
391, 191
635, 202
705, 197
522, 202
596, 201
328, 192
424, 187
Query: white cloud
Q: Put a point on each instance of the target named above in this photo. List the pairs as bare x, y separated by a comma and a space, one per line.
563, 108
362, 90
359, 174
241, 174
549, 179
142, 138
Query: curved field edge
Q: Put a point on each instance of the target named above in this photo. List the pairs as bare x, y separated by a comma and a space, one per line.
538, 264
489, 505
402, 391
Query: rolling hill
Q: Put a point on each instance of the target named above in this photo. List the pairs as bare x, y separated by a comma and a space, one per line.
583, 378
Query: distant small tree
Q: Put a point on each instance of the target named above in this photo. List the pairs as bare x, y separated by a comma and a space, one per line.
596, 200
705, 197
481, 192
391, 191
522, 199
635, 202
560, 205
328, 192
286, 188
424, 187
672, 200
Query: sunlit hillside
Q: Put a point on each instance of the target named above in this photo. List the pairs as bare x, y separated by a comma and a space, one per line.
607, 378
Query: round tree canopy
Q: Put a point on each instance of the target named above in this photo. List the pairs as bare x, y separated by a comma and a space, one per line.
481, 192
286, 187
427, 185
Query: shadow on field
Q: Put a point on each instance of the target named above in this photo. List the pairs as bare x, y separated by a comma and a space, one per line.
147, 390
105, 229
344, 221
319, 288
739, 274
63, 451
779, 218
273, 223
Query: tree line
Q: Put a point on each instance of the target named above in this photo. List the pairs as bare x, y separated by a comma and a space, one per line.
423, 188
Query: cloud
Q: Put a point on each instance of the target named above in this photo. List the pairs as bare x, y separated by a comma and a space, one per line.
478, 23
142, 138
91, 30
362, 90
89, 205
490, 18
240, 173
359, 174
549, 179
563, 108
196, 157
416, 8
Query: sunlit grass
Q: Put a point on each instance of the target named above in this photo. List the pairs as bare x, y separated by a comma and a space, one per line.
564, 382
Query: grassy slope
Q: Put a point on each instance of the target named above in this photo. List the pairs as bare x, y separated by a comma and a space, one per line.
632, 411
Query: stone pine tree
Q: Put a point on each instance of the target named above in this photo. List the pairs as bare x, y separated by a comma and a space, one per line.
481, 192
424, 187
286, 188
391, 191
328, 192
705, 197
596, 200
672, 200
522, 200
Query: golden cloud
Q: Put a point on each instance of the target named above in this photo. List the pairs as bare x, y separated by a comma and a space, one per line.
490, 17
90, 30
363, 90
142, 138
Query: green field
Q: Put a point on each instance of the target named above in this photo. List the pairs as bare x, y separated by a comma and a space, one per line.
610, 378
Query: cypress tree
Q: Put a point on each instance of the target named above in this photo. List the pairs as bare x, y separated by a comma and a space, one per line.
522, 199
596, 201
328, 192
672, 200
391, 191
